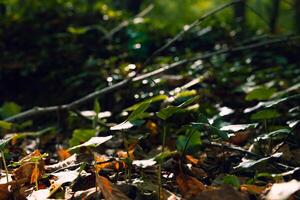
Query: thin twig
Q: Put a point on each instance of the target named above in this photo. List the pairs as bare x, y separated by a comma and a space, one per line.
189, 27
127, 22
121, 84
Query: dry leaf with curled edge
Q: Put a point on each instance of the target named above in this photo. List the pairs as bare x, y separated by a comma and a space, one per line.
29, 169
109, 190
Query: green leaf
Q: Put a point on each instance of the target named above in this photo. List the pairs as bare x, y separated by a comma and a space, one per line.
127, 125
138, 111
10, 109
265, 114
163, 155
157, 98
4, 142
165, 113
278, 134
92, 142
189, 101
190, 142
261, 93
268, 104
238, 127
231, 180
251, 163
6, 125
97, 107
81, 135
210, 129
77, 30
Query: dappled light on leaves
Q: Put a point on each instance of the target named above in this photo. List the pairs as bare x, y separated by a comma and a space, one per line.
139, 100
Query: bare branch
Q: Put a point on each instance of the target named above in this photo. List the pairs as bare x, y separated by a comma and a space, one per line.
189, 27
126, 22
42, 110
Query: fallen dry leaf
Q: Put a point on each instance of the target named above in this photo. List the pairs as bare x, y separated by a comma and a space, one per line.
253, 189
29, 169
63, 154
109, 190
239, 138
189, 186
10, 190
191, 159
282, 191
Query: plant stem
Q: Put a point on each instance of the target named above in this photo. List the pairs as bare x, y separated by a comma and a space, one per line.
128, 159
159, 181
36, 180
164, 139
160, 163
5, 166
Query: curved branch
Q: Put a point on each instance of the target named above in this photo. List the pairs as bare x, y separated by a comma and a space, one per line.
42, 110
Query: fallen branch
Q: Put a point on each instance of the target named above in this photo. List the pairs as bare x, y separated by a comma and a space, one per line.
210, 54
42, 110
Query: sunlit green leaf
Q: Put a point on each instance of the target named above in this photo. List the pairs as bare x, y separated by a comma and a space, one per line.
152, 100
4, 142
261, 93
278, 134
238, 127
127, 125
81, 135
92, 142
165, 113
265, 114
250, 163
97, 107
138, 111
6, 125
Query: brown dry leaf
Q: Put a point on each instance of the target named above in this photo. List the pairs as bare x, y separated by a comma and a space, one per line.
63, 154
27, 158
192, 160
10, 190
35, 174
226, 192
198, 172
117, 165
239, 138
109, 190
27, 168
189, 186
253, 189
152, 127
101, 158
124, 154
